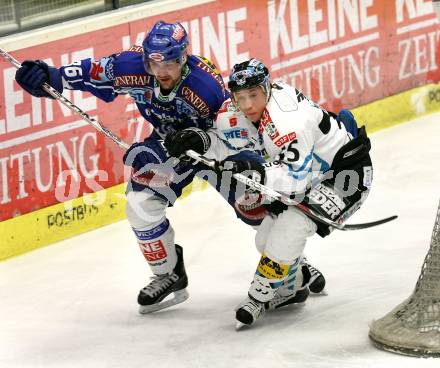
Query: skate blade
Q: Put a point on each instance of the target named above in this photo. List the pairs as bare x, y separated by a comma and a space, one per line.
178, 297
239, 325
323, 292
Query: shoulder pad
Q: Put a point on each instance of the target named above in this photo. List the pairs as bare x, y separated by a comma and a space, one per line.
129, 70
204, 70
227, 106
208, 63
229, 119
136, 48
129, 62
285, 97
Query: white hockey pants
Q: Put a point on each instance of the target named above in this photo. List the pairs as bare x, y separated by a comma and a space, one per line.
146, 214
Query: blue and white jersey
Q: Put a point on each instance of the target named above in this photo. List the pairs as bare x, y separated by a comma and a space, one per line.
193, 102
297, 138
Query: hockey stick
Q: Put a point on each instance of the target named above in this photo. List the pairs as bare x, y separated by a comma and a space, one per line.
288, 201
58, 96
211, 163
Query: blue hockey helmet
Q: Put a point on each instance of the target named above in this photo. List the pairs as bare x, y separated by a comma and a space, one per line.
166, 41
249, 74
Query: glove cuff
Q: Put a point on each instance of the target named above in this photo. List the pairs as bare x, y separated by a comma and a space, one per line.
205, 141
55, 79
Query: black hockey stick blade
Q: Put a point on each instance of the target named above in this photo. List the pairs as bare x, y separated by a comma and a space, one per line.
367, 225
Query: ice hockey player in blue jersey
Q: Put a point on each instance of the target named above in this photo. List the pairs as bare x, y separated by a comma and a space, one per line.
172, 90
312, 155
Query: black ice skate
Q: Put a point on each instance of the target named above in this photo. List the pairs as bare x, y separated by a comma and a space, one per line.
316, 283
248, 312
151, 297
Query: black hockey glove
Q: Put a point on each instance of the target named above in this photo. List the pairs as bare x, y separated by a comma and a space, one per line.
177, 143
34, 73
251, 169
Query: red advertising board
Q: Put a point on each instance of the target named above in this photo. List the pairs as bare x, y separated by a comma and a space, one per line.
342, 53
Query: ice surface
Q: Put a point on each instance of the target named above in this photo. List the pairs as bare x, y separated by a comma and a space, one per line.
74, 304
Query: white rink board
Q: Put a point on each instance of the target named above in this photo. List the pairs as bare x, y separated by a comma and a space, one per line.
74, 304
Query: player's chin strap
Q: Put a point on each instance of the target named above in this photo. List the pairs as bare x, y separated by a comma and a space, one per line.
70, 105
286, 200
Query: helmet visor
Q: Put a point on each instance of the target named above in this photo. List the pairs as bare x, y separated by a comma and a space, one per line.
155, 64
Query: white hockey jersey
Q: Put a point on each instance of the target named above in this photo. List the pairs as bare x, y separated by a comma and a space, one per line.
296, 137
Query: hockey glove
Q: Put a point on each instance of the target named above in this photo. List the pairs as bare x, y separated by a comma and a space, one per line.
33, 74
251, 169
148, 161
177, 143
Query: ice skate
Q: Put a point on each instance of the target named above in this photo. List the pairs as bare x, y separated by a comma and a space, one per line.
251, 310
152, 297
316, 283
248, 312
310, 278
280, 301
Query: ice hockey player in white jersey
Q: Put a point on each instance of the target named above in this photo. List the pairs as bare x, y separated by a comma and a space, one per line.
319, 158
